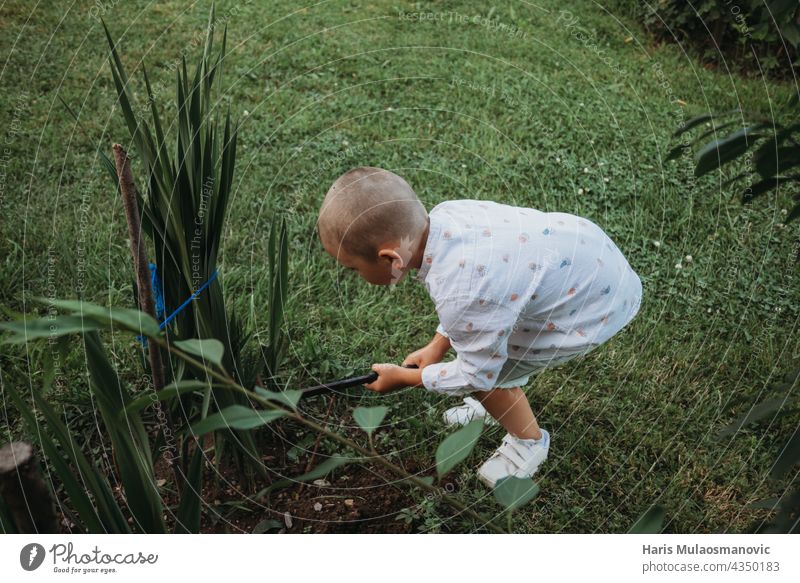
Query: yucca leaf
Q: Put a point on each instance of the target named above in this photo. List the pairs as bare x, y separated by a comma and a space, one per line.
7, 525
49, 327
129, 438
156, 118
188, 515
129, 319
106, 516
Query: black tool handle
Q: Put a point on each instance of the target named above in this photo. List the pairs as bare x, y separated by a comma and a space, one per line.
345, 383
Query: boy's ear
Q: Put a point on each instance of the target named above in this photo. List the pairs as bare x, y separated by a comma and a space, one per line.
392, 256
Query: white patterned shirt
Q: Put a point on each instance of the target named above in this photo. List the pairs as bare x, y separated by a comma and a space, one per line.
515, 282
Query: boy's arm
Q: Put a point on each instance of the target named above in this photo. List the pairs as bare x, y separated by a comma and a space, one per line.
479, 334
392, 377
441, 341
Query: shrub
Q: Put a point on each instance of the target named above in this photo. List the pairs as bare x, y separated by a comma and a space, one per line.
759, 34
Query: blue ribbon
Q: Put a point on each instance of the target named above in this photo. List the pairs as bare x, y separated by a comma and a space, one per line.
158, 293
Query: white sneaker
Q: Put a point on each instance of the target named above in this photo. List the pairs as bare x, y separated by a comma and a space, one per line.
515, 457
470, 410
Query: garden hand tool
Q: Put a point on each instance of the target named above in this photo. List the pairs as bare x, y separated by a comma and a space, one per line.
344, 383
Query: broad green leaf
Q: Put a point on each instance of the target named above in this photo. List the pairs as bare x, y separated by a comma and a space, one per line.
27, 330
171, 391
323, 469
513, 492
235, 417
369, 418
651, 522
774, 406
289, 397
133, 320
771, 160
719, 152
456, 447
320, 471
759, 188
267, 524
209, 349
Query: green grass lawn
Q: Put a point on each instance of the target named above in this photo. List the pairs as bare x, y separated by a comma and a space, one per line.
530, 114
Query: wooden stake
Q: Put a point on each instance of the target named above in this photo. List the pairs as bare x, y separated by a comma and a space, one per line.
24, 490
129, 203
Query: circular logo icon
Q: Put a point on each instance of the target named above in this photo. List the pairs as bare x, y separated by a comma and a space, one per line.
31, 556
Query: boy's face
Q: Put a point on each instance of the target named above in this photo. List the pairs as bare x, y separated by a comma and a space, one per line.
378, 272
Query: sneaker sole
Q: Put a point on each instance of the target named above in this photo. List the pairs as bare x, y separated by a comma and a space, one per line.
486, 481
488, 420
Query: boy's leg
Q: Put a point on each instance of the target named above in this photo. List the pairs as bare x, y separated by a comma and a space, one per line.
511, 408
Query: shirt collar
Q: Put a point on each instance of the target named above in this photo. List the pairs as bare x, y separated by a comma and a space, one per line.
434, 229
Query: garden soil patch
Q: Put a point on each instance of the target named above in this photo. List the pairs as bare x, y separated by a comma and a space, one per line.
355, 498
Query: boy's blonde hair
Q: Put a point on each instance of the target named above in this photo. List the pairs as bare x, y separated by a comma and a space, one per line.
367, 207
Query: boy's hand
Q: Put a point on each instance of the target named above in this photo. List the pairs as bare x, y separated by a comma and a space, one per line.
430, 354
392, 377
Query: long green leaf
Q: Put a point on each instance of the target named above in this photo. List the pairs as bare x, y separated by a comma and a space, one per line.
133, 320
49, 327
650, 522
719, 152
188, 515
106, 516
128, 435
7, 525
235, 417
456, 447
172, 390
789, 456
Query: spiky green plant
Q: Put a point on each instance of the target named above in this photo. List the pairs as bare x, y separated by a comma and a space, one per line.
188, 188
88, 490
265, 407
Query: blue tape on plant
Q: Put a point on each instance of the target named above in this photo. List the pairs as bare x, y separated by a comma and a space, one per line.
163, 324
158, 291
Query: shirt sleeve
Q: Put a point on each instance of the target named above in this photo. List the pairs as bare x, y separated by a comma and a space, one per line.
479, 334
440, 330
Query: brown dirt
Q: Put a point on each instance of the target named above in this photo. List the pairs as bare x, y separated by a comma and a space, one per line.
354, 498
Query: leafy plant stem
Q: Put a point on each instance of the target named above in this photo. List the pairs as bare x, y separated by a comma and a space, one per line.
366, 453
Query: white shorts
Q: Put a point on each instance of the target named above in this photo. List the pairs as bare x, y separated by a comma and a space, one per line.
517, 373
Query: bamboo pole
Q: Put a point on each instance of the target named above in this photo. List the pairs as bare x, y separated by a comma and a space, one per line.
24, 490
128, 192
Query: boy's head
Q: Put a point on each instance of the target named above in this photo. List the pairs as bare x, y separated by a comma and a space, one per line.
371, 221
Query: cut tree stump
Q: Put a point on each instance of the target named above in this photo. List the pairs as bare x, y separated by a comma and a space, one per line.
24, 491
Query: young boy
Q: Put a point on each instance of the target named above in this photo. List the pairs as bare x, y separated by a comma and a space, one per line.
516, 290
